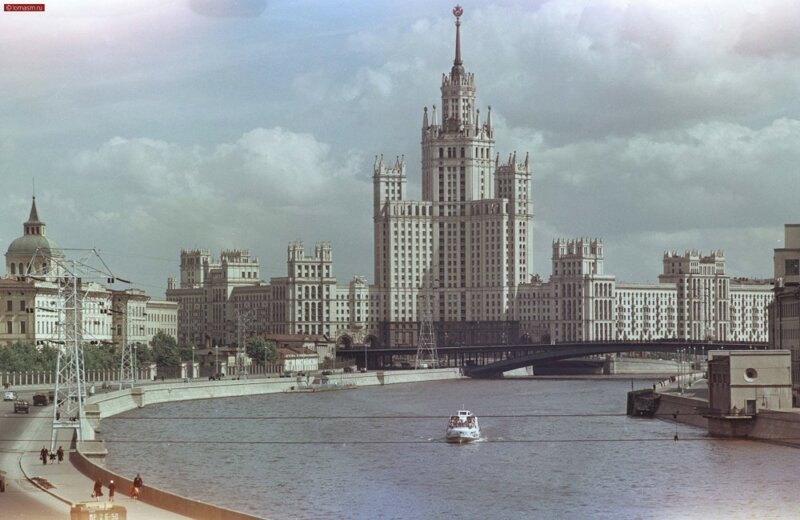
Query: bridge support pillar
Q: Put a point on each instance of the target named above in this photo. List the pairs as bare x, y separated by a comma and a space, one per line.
610, 366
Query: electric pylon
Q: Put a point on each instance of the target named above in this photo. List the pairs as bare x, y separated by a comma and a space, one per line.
69, 278
242, 321
426, 345
127, 366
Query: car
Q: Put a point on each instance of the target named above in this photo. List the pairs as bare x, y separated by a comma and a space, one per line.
20, 406
41, 399
348, 370
10, 395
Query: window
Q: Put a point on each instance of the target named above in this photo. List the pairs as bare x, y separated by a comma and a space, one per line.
22, 327
22, 305
9, 307
792, 266
8, 327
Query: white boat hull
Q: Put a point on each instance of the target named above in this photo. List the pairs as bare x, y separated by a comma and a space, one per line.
462, 435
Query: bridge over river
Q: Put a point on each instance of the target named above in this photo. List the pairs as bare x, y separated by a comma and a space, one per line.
489, 361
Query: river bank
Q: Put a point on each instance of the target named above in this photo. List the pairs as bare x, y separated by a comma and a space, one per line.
89, 456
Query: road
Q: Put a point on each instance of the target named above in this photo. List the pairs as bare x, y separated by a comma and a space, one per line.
18, 433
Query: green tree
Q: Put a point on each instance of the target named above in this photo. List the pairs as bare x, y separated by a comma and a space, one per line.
100, 356
143, 353
20, 356
165, 350
185, 351
255, 348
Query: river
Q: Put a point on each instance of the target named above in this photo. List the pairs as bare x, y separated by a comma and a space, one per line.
552, 449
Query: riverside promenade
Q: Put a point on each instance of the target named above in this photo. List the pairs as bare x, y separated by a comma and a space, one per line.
41, 492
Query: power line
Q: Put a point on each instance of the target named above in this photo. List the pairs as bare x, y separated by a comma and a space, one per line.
345, 417
669, 439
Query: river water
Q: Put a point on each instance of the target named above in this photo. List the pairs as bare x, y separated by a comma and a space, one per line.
552, 449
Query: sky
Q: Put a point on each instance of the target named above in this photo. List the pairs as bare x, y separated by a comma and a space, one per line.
151, 126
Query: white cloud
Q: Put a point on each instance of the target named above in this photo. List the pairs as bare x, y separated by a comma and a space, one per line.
261, 191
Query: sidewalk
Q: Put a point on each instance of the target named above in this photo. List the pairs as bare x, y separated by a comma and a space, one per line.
66, 483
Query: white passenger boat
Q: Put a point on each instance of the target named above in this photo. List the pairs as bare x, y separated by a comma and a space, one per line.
463, 427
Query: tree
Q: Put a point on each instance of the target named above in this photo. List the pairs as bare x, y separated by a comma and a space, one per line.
20, 356
100, 356
255, 348
185, 351
165, 350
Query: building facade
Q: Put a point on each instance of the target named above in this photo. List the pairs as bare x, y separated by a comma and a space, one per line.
215, 309
459, 255
785, 310
693, 300
33, 290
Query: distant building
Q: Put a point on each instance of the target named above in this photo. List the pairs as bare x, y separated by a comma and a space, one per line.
29, 296
162, 316
461, 257
785, 310
218, 306
460, 253
693, 299
298, 359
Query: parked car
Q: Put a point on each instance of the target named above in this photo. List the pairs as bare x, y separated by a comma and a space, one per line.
348, 370
20, 406
40, 399
10, 395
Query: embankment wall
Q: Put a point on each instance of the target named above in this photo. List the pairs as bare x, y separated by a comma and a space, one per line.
682, 409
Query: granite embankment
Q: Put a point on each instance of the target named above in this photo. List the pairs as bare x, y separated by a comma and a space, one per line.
780, 426
89, 456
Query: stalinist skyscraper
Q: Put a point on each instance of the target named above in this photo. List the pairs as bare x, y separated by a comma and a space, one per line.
461, 252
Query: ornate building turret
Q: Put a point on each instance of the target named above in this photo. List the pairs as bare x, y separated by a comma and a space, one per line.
33, 252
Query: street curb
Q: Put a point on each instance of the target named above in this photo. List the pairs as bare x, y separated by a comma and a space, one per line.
49, 492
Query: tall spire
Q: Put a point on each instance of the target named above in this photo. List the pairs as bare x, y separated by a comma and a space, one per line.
34, 216
458, 66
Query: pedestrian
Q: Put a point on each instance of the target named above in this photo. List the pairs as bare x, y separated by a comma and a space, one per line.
137, 487
60, 453
111, 489
43, 455
58, 414
98, 489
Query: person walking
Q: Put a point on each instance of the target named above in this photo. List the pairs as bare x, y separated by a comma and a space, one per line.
137, 487
60, 453
98, 489
43, 454
111, 488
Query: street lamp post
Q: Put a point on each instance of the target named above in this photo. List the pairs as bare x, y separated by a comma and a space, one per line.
133, 361
216, 361
193, 347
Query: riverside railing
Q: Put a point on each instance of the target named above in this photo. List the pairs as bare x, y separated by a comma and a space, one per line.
112, 376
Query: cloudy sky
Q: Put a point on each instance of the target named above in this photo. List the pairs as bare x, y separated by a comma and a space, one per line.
155, 125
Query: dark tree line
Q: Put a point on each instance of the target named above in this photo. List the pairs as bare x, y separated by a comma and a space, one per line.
22, 356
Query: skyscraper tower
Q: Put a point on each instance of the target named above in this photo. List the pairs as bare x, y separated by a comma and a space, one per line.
468, 241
